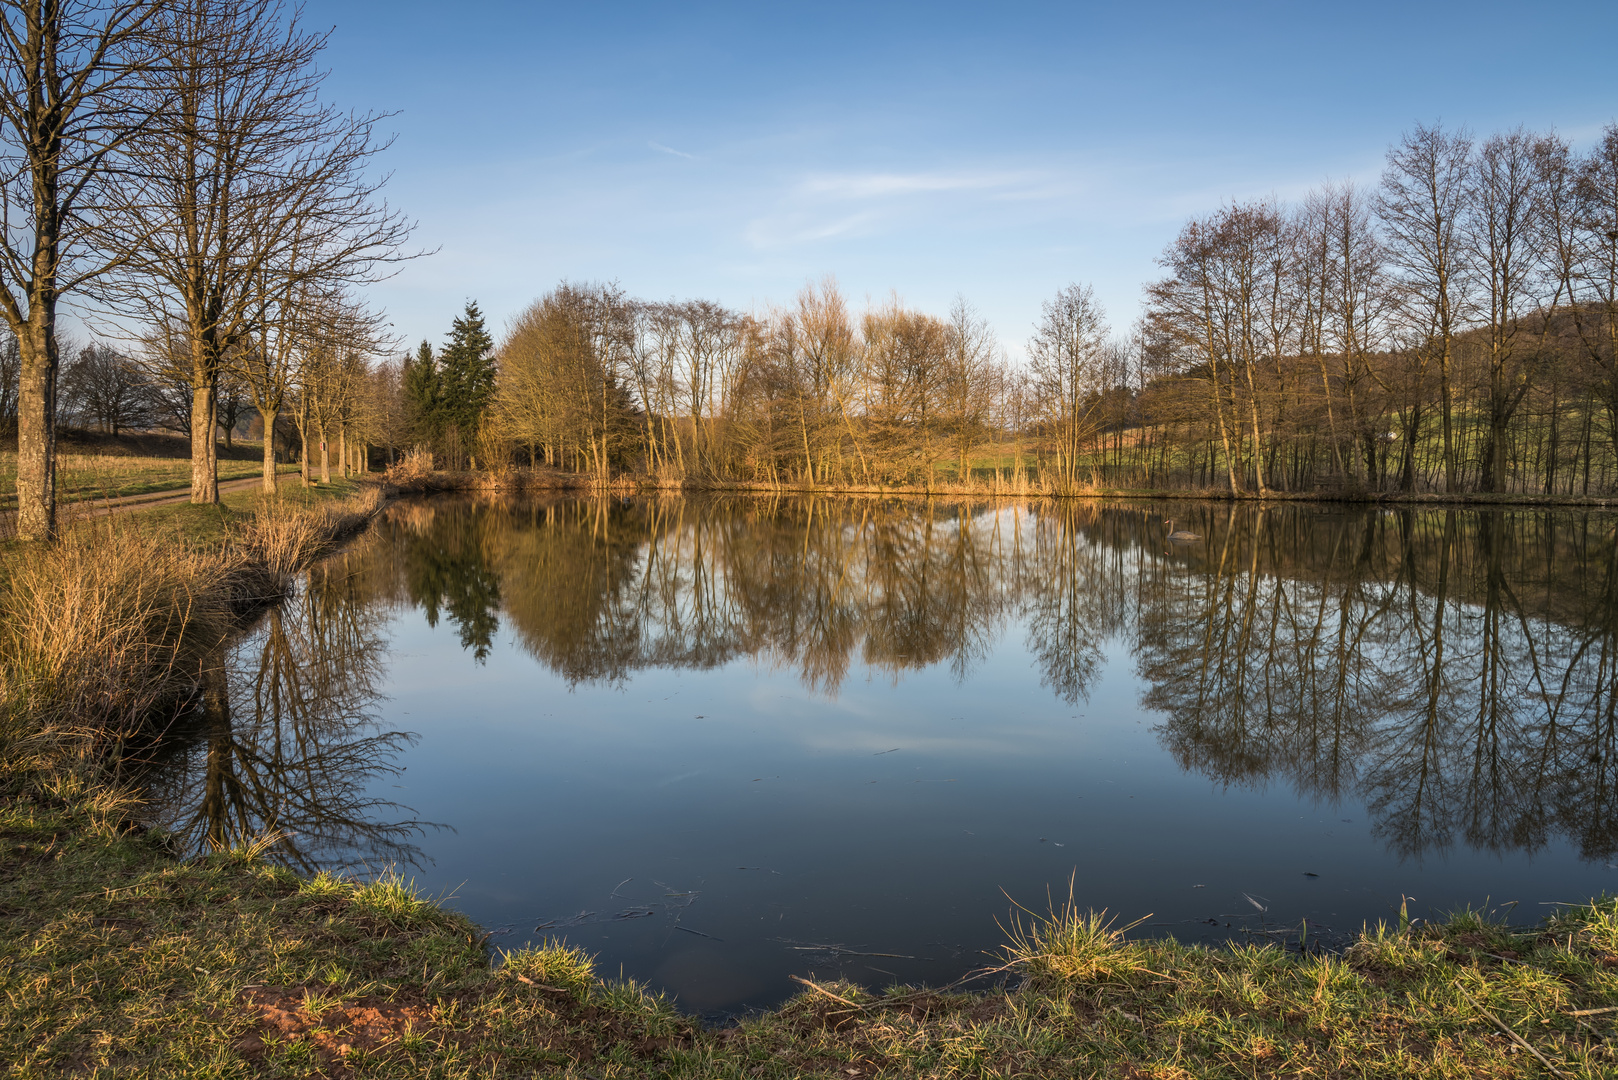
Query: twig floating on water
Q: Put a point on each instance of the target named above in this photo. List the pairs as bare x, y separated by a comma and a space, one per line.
699, 933
571, 920
810, 946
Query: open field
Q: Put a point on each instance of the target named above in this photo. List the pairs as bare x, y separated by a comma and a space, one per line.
95, 466
97, 476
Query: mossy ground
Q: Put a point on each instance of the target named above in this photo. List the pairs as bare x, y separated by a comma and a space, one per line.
119, 960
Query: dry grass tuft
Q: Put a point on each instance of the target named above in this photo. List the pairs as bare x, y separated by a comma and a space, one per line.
412, 473
102, 625
282, 537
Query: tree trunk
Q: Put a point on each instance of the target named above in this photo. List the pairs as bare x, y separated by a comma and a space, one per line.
36, 431
325, 458
204, 469
268, 416
1446, 408
1258, 444
303, 441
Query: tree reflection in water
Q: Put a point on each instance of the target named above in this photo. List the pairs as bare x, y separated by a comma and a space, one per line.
283, 740
1454, 670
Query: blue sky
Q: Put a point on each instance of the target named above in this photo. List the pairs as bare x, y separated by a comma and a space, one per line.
998, 152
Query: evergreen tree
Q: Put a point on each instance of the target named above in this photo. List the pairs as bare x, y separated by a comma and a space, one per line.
420, 381
466, 375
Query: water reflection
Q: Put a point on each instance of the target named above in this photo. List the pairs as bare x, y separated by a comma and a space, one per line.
1452, 669
283, 739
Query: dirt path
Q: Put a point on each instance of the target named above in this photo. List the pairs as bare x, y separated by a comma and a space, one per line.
89, 508
148, 499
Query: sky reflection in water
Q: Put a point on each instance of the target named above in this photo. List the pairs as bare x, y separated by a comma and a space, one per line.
721, 741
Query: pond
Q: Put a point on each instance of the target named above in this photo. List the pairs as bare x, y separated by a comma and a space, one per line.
718, 742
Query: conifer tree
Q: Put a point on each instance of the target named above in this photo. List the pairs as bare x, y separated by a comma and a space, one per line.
421, 392
466, 373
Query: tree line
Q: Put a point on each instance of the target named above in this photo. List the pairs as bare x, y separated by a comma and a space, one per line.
173, 168
1453, 328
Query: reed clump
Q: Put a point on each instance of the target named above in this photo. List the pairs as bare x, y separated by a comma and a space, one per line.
410, 473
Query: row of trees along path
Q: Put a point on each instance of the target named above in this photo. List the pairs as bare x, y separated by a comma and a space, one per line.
176, 169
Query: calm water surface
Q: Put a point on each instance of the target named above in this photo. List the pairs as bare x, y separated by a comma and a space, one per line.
719, 742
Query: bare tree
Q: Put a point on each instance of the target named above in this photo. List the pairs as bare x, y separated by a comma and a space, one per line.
250, 177
1067, 353
1422, 200
1595, 313
338, 340
906, 356
1345, 252
1189, 314
105, 387
65, 118
968, 379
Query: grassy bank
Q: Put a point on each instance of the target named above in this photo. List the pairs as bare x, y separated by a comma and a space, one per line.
99, 629
118, 960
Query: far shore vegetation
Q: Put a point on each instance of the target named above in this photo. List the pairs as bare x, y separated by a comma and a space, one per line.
1450, 331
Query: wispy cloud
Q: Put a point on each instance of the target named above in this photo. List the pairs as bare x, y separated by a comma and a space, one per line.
659, 147
828, 206
795, 228
879, 185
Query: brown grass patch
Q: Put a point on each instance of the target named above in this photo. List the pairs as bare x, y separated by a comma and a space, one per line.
365, 1024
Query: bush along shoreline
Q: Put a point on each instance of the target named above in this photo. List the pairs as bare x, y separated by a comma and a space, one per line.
119, 957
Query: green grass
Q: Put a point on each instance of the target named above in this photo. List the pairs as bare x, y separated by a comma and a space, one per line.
204, 525
119, 960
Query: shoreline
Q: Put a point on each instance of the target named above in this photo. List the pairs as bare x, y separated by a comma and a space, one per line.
523, 482
119, 957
